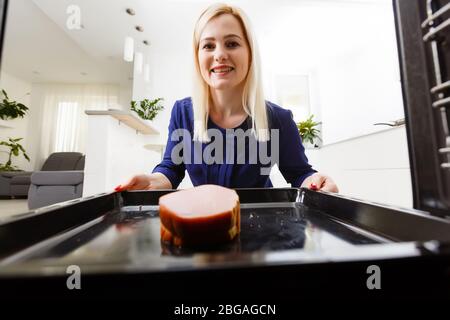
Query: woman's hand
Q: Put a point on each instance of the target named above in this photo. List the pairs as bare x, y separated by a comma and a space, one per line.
146, 182
319, 181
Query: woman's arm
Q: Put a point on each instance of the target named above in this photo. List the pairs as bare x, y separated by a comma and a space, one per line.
293, 163
167, 174
172, 171
319, 181
146, 182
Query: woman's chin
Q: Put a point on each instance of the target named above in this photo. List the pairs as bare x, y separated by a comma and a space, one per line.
222, 85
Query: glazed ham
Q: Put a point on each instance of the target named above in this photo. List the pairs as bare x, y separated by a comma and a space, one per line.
208, 214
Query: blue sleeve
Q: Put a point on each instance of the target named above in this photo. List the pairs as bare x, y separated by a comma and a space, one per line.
293, 163
173, 172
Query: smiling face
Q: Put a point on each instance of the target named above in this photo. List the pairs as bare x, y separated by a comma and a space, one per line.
223, 53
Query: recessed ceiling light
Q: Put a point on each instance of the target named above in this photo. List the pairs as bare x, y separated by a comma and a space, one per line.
147, 43
139, 28
131, 12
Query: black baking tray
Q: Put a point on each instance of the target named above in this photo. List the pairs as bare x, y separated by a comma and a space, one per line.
281, 224
288, 231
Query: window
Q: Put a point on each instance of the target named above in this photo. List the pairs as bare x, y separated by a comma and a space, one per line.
293, 93
67, 127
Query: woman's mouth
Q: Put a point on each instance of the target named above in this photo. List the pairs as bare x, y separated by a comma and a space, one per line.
222, 70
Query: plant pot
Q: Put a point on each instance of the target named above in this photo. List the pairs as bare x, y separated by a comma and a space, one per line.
309, 145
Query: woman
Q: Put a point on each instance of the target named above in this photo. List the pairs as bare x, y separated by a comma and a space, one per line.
228, 105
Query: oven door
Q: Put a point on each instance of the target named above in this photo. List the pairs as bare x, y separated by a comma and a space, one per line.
294, 243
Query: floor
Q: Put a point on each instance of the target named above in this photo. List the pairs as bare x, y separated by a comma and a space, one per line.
12, 207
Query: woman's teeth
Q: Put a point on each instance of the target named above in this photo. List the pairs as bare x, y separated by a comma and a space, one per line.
222, 70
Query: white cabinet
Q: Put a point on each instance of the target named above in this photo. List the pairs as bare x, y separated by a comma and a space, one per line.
115, 150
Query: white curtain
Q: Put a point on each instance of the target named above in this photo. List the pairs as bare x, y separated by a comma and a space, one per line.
63, 118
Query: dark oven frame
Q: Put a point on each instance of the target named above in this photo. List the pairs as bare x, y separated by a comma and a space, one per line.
424, 53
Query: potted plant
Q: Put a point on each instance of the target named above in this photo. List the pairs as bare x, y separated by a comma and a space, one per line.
308, 131
14, 150
147, 109
11, 109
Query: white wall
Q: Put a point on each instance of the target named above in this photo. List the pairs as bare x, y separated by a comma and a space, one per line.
20, 91
37, 99
351, 59
170, 78
374, 167
125, 95
356, 91
348, 49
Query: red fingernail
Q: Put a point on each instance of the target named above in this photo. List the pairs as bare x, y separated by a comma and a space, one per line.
313, 186
117, 188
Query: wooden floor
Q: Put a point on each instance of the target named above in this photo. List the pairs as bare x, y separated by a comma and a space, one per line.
11, 207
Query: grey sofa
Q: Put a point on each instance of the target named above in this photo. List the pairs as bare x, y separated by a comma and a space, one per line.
16, 183
64, 182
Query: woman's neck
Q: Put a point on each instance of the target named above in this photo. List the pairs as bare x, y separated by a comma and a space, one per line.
226, 103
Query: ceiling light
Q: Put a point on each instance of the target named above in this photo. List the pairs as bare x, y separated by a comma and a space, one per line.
138, 62
130, 11
139, 28
128, 50
147, 72
147, 43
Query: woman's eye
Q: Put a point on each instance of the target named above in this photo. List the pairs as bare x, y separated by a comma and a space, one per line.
232, 44
208, 46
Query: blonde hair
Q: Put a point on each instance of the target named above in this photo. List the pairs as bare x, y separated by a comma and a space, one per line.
253, 96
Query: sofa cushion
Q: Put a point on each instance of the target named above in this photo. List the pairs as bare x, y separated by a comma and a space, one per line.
80, 163
40, 196
11, 174
57, 178
21, 179
59, 161
19, 189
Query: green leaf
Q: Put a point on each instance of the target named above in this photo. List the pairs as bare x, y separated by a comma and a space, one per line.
4, 93
307, 130
15, 148
11, 109
148, 109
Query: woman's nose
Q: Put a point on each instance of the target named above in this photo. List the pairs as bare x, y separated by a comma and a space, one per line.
220, 55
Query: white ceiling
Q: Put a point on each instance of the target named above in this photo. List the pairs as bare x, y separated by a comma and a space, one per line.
37, 49
38, 41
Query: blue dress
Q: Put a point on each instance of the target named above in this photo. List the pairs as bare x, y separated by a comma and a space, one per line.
229, 161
